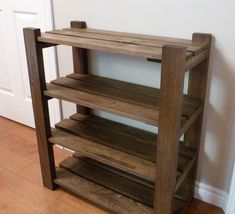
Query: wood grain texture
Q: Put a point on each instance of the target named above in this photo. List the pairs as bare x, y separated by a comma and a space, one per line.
40, 105
163, 163
127, 148
109, 179
19, 142
128, 38
104, 197
120, 160
104, 45
130, 100
197, 89
172, 81
80, 61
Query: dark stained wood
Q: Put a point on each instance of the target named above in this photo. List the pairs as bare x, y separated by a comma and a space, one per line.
80, 61
176, 41
18, 143
114, 139
116, 171
197, 89
128, 87
172, 81
112, 201
108, 46
187, 167
115, 127
198, 75
104, 154
135, 160
102, 196
131, 140
131, 110
128, 38
130, 100
40, 105
197, 59
188, 123
91, 137
120, 160
109, 179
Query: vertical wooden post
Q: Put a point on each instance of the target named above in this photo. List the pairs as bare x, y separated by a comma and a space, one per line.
171, 96
40, 105
80, 61
197, 89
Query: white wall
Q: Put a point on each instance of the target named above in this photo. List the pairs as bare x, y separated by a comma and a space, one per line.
175, 19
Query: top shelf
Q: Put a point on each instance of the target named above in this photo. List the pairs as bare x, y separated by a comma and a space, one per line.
119, 42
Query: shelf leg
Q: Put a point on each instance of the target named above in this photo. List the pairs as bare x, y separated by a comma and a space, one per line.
80, 62
40, 105
171, 96
197, 89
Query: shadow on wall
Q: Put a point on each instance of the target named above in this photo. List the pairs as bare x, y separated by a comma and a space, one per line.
217, 144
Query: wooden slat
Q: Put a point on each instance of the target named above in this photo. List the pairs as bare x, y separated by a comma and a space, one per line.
120, 160
130, 100
115, 171
104, 45
138, 36
196, 59
102, 196
116, 139
110, 180
89, 136
141, 135
188, 166
100, 45
126, 39
128, 87
127, 132
188, 123
108, 199
115, 127
147, 115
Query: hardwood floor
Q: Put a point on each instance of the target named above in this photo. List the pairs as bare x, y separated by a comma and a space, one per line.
20, 180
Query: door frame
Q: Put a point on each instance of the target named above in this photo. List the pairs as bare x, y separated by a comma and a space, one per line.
231, 199
54, 105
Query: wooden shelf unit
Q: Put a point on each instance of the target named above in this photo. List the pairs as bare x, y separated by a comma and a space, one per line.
121, 168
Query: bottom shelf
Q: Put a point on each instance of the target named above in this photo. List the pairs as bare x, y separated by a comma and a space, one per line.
114, 190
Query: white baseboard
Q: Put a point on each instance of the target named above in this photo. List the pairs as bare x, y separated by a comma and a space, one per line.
211, 195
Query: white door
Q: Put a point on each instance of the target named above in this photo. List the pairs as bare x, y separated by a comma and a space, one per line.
15, 98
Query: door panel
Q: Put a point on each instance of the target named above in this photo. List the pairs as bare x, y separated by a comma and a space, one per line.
15, 97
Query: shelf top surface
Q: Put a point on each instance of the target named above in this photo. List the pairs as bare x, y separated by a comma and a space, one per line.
119, 42
126, 99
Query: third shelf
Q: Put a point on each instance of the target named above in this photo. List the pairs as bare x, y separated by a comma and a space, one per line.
118, 145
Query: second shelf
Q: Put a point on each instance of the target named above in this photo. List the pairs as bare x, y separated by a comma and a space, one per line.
122, 98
